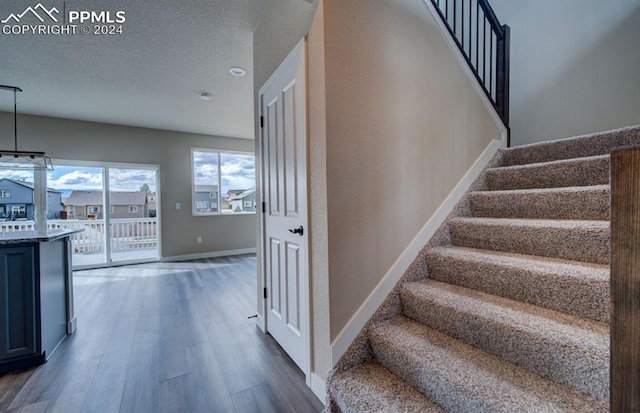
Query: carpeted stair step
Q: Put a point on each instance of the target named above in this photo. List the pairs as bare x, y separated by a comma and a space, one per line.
586, 241
587, 171
462, 378
582, 202
372, 388
566, 349
587, 145
571, 287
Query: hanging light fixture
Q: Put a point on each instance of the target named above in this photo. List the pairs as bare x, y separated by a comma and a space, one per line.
16, 159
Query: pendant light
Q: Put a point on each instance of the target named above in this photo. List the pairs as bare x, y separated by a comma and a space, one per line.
15, 159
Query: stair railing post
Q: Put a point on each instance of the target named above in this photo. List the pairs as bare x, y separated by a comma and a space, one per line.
625, 280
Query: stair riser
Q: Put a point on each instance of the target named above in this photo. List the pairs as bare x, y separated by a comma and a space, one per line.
588, 205
596, 144
578, 244
586, 373
588, 298
576, 173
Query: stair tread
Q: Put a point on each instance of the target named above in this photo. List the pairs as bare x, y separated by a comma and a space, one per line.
577, 202
557, 266
461, 377
585, 145
536, 223
578, 333
372, 388
573, 287
546, 164
584, 240
565, 189
587, 171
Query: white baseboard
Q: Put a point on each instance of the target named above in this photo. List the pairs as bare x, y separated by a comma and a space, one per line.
391, 278
208, 255
318, 387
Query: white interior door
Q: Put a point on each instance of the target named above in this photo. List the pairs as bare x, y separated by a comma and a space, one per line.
283, 111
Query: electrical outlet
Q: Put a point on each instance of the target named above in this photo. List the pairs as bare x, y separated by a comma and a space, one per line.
199, 240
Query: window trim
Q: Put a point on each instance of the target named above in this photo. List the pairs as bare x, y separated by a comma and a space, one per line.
5, 191
218, 211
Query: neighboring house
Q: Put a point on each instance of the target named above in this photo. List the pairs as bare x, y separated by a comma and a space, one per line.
243, 201
152, 204
89, 205
205, 198
16, 200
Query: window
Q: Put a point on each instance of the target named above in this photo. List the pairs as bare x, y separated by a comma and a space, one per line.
18, 210
133, 209
93, 209
152, 198
5, 193
111, 209
221, 176
247, 203
70, 209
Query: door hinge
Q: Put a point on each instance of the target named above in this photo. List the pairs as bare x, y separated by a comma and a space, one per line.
264, 207
262, 121
264, 293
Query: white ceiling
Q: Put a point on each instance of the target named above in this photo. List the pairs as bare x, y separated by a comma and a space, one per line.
149, 76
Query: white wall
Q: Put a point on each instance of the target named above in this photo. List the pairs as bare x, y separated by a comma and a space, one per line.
403, 125
88, 141
574, 66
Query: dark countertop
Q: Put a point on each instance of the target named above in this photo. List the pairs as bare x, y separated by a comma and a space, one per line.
20, 237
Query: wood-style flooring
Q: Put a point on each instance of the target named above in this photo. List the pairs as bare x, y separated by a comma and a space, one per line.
164, 337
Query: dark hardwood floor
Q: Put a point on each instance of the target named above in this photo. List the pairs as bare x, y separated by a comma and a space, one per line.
164, 337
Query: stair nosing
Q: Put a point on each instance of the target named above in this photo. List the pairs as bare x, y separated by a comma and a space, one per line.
549, 163
514, 256
562, 189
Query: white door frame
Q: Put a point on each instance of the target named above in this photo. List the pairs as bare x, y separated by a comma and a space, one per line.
262, 319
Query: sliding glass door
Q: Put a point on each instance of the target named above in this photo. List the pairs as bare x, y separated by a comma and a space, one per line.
133, 214
115, 206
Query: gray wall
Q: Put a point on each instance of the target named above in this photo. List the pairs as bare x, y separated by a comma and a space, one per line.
574, 66
403, 126
88, 141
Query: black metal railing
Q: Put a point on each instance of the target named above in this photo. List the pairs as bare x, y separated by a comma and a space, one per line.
484, 43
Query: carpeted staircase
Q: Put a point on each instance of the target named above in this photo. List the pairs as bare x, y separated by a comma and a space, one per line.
507, 308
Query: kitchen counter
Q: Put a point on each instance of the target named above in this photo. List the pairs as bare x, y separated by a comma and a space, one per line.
19, 237
36, 296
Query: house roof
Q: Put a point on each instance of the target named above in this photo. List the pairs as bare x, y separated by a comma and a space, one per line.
26, 184
84, 198
242, 194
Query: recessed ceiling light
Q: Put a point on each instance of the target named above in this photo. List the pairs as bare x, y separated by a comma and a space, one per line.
205, 96
237, 71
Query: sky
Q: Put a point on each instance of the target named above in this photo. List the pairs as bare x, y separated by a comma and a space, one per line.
70, 178
237, 172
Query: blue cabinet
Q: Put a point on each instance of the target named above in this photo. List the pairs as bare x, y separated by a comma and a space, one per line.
18, 304
36, 297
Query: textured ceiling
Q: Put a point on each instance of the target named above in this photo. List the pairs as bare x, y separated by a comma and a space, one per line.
149, 76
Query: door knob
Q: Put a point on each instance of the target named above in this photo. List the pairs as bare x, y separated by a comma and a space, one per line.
299, 231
